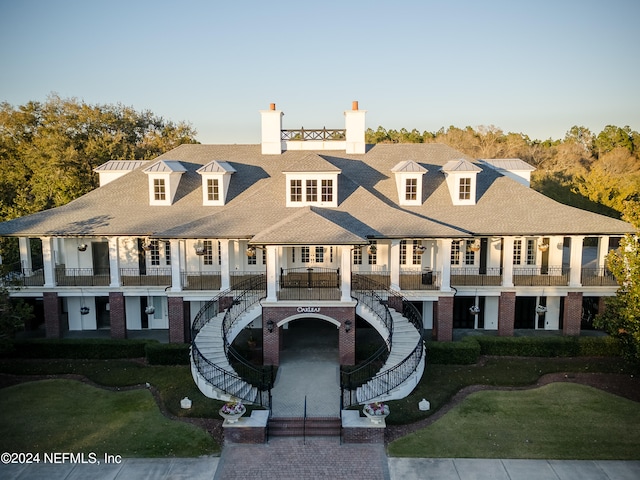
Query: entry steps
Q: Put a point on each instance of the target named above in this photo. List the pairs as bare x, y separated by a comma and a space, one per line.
311, 427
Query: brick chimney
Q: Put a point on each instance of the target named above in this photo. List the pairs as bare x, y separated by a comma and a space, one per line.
271, 127
355, 126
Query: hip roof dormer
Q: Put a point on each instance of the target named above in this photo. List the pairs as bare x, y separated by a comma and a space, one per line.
164, 177
408, 175
461, 176
216, 177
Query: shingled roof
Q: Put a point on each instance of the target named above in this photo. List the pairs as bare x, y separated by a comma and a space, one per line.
368, 206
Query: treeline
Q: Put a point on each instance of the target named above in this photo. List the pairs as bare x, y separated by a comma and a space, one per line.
598, 172
48, 150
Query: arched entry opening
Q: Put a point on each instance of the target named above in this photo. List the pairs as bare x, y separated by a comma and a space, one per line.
309, 368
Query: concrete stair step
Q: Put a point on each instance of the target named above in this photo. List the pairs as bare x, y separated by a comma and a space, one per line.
311, 426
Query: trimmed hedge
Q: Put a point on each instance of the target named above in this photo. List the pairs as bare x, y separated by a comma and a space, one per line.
90, 348
549, 346
464, 352
167, 353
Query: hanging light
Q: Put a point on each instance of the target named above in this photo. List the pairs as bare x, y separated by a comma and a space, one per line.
372, 249
541, 309
543, 247
82, 247
146, 244
474, 310
84, 310
251, 252
420, 249
199, 248
150, 310
474, 246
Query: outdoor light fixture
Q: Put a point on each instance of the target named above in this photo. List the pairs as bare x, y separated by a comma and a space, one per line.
372, 249
84, 310
347, 326
270, 326
541, 309
474, 310
251, 252
146, 244
82, 247
199, 248
420, 249
150, 310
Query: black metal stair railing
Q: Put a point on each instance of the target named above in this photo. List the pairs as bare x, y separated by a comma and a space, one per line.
234, 302
381, 382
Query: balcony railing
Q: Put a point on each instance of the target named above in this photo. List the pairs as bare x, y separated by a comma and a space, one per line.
82, 277
423, 280
598, 277
309, 284
22, 277
540, 276
472, 277
201, 280
155, 277
321, 134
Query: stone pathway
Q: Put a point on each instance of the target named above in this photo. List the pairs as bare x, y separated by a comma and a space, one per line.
291, 459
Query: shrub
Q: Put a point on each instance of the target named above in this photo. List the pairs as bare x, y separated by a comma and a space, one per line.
599, 347
92, 348
167, 353
530, 346
464, 352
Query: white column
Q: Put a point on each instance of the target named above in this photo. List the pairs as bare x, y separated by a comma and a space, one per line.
176, 265
575, 261
48, 258
603, 251
345, 273
394, 263
225, 270
444, 252
25, 254
507, 262
272, 273
114, 262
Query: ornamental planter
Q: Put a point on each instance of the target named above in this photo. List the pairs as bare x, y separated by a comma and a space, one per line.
376, 412
232, 417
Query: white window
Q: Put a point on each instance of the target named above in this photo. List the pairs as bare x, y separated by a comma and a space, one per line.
296, 190
465, 188
208, 252
357, 255
213, 189
312, 191
517, 252
411, 189
327, 190
319, 254
373, 256
159, 189
304, 254
455, 252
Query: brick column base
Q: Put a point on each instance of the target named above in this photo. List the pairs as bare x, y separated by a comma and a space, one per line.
52, 315
572, 314
443, 320
506, 314
347, 343
176, 309
117, 315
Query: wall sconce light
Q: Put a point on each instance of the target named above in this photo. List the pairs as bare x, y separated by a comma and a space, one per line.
347, 326
270, 326
82, 247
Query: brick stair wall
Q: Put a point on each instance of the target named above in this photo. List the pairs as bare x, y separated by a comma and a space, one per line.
295, 427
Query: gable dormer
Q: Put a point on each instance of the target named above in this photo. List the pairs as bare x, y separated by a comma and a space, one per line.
216, 177
114, 169
312, 181
514, 168
164, 177
461, 176
409, 182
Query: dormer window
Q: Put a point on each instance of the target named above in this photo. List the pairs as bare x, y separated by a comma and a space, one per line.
465, 189
216, 178
312, 181
461, 176
164, 177
159, 189
409, 182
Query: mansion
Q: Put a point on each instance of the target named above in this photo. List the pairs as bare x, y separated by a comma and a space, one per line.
315, 224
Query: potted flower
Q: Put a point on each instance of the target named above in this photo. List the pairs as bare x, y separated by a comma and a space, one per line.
376, 411
232, 411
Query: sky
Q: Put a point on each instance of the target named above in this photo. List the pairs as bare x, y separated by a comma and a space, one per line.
536, 68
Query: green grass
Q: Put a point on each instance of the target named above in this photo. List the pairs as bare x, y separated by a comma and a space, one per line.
69, 416
557, 421
441, 382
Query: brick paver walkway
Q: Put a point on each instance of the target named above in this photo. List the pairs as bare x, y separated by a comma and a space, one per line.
289, 458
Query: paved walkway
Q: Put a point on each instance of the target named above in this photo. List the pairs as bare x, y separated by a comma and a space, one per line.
284, 459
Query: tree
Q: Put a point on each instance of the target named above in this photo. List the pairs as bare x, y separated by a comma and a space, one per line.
13, 315
621, 318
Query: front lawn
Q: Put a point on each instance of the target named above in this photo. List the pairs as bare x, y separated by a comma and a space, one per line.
69, 416
557, 421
